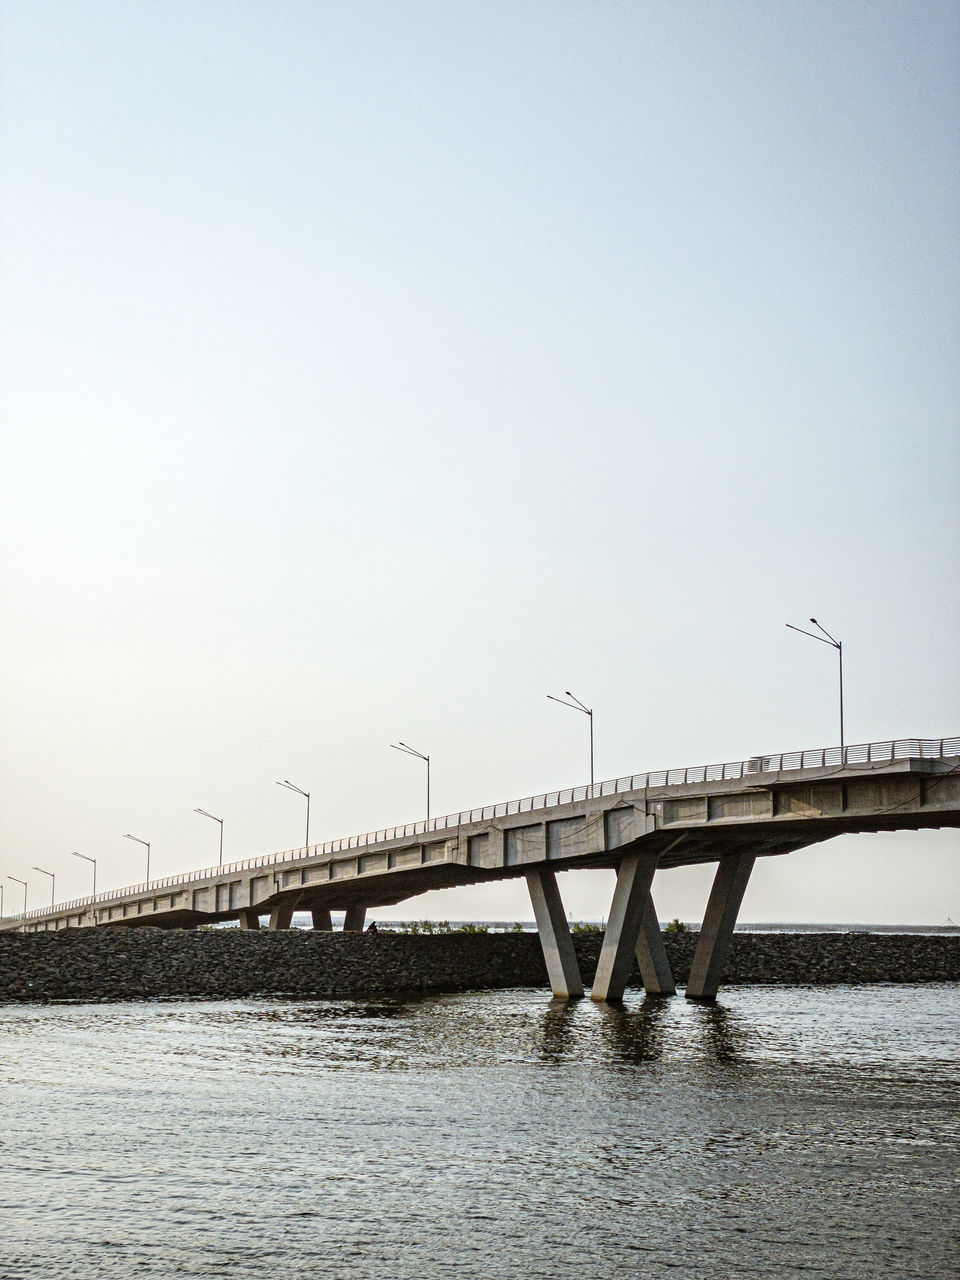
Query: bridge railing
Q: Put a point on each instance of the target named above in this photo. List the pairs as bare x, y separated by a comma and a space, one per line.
816, 758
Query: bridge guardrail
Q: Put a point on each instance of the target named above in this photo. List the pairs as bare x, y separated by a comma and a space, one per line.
779, 762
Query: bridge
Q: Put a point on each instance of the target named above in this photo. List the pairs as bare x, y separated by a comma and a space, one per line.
730, 814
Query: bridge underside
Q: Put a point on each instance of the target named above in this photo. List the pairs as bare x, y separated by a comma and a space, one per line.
666, 848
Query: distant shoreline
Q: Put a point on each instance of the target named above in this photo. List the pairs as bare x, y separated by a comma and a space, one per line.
934, 929
302, 920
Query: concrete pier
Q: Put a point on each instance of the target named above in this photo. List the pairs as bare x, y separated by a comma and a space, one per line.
652, 955
627, 910
281, 915
249, 919
321, 918
354, 918
716, 933
558, 953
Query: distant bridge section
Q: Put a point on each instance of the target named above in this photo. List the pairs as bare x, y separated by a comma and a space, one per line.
730, 814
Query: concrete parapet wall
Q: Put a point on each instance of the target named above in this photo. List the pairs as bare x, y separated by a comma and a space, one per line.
121, 964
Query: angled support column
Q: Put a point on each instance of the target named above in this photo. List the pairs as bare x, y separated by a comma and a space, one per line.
716, 932
321, 918
558, 953
627, 911
281, 915
652, 955
354, 918
249, 919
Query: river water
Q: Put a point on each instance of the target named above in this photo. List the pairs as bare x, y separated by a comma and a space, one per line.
781, 1132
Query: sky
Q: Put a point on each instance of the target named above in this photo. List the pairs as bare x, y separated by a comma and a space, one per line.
372, 370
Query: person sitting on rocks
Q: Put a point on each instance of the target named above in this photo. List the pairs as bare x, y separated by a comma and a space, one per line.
372, 927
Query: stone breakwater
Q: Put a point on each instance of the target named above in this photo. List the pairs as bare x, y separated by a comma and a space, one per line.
140, 963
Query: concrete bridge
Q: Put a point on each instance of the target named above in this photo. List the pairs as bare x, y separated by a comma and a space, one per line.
730, 814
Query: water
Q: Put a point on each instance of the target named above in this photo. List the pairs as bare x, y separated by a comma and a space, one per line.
782, 1132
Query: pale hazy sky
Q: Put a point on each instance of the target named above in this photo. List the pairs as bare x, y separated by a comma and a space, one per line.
371, 370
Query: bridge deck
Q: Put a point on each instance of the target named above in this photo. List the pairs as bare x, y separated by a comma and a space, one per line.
764, 806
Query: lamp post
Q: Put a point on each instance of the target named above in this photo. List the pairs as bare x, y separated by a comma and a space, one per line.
577, 705
411, 751
220, 820
53, 884
127, 836
94, 861
24, 883
291, 786
827, 638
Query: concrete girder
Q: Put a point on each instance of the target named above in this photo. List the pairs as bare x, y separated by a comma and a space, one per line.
558, 953
627, 910
716, 932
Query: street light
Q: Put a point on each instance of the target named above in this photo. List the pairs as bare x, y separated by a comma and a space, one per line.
94, 861
827, 638
291, 786
577, 705
24, 883
53, 884
220, 820
402, 746
127, 836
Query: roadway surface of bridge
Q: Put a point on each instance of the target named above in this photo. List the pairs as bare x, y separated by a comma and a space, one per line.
730, 814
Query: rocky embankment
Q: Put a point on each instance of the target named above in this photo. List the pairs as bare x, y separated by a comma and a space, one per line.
139, 963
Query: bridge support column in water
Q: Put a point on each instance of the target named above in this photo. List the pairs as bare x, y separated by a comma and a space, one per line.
354, 918
281, 916
249, 920
321, 918
652, 955
630, 909
716, 932
558, 953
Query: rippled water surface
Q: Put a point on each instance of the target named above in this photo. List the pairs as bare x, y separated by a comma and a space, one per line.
782, 1132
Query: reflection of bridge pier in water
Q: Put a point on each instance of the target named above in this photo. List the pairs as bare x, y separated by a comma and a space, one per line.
727, 814
631, 1034
721, 1032
635, 1035
559, 1028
